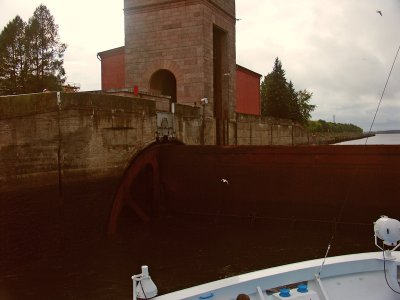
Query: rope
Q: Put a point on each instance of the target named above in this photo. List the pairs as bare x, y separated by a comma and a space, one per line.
383, 92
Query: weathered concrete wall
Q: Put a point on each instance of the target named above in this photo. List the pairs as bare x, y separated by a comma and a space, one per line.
255, 130
28, 136
80, 133
83, 134
50, 140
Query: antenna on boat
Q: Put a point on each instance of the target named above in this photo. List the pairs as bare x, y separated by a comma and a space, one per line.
387, 230
326, 255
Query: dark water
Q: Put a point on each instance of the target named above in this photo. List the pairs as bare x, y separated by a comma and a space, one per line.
72, 258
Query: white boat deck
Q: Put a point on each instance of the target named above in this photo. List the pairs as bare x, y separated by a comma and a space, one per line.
356, 276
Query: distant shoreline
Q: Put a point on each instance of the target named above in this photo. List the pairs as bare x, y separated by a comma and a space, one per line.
396, 131
363, 136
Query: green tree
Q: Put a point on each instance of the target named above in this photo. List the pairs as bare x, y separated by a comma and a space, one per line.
279, 98
304, 107
13, 68
322, 126
31, 55
294, 112
275, 97
45, 52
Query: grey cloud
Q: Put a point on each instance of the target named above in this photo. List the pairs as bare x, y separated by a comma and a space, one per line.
339, 50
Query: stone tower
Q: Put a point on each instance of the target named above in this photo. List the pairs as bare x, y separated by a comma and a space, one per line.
184, 49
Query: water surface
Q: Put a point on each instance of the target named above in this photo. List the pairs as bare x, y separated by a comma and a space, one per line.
378, 139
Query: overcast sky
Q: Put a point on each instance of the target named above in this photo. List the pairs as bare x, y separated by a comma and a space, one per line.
341, 50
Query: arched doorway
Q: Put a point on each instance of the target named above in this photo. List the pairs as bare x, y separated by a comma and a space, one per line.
164, 82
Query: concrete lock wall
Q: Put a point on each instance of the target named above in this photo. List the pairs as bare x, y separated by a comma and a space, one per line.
254, 130
61, 161
44, 138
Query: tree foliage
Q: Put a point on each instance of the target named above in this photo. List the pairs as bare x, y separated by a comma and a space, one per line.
275, 95
31, 55
13, 67
322, 126
279, 98
303, 106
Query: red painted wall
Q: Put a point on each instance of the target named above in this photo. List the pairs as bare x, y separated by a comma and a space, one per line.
247, 91
247, 81
113, 68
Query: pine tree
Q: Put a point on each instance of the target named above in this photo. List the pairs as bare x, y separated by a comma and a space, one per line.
279, 98
275, 95
13, 68
31, 55
45, 52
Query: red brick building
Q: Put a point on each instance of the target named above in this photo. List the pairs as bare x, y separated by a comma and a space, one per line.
247, 81
248, 99
112, 68
185, 49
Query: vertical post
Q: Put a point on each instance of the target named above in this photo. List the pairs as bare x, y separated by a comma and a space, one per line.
272, 131
59, 154
173, 119
251, 134
203, 102
292, 134
227, 111
134, 287
202, 126
236, 129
